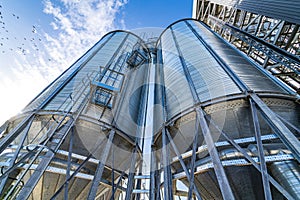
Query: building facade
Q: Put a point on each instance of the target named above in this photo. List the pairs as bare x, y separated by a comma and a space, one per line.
223, 127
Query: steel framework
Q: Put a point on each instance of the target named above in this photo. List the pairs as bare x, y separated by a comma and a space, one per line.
44, 153
270, 38
213, 166
222, 127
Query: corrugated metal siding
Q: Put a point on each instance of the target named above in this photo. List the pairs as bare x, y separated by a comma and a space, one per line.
158, 109
51, 88
129, 101
127, 116
178, 95
225, 2
72, 87
209, 78
286, 10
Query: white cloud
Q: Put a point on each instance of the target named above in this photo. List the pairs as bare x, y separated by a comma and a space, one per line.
54, 25
80, 25
76, 25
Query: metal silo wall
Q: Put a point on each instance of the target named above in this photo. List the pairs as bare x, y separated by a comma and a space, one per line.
75, 111
200, 71
177, 99
37, 101
105, 54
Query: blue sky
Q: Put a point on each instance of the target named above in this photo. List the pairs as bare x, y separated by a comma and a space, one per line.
147, 13
40, 39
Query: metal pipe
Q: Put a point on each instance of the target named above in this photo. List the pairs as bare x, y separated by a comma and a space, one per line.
287, 173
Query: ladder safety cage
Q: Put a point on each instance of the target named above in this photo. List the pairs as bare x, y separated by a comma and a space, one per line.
137, 57
105, 86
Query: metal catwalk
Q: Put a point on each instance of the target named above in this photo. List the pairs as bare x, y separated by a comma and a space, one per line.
223, 126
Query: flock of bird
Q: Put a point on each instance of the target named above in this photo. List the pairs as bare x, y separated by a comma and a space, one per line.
6, 35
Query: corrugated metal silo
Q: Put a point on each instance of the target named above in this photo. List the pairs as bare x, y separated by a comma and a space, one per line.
76, 139
228, 129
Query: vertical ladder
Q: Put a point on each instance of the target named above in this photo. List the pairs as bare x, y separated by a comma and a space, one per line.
144, 190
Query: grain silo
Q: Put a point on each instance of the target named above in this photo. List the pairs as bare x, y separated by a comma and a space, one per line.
77, 137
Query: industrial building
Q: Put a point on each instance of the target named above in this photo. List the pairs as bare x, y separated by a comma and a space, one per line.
224, 108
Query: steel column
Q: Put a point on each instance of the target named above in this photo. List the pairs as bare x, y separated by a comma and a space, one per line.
263, 167
72, 176
188, 174
15, 132
292, 37
278, 126
98, 144
113, 175
69, 164
47, 158
168, 194
153, 175
193, 158
100, 168
115, 186
250, 159
34, 178
130, 182
218, 168
288, 123
17, 151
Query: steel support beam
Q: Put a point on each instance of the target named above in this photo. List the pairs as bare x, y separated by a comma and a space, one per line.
168, 194
273, 29
138, 186
268, 30
193, 159
251, 22
292, 37
263, 166
113, 175
15, 132
16, 154
99, 144
250, 159
115, 186
212, 150
100, 168
278, 126
72, 176
54, 146
35, 177
185, 169
288, 123
130, 182
66, 194
153, 174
